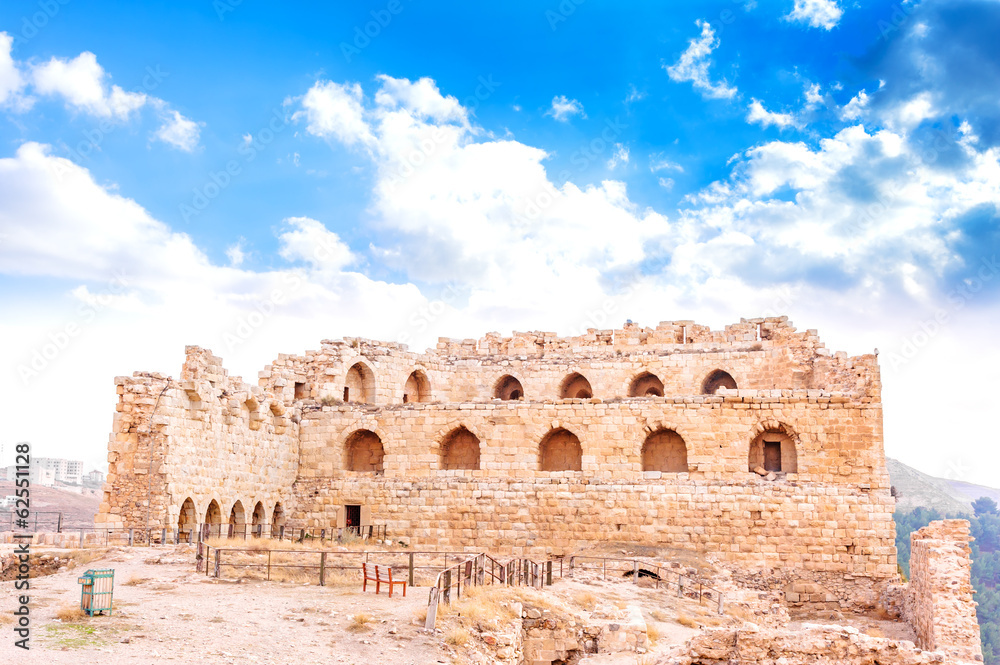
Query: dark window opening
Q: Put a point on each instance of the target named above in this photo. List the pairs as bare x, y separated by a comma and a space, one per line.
772, 456
300, 390
406, 398
352, 516
347, 394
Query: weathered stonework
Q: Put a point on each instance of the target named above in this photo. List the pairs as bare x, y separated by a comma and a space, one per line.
753, 444
940, 603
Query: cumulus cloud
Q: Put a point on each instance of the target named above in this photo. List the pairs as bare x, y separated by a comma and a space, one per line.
694, 63
180, 132
563, 108
82, 83
333, 110
11, 80
757, 114
816, 13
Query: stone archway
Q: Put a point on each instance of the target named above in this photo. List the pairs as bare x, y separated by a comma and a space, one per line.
417, 388
576, 386
646, 384
717, 379
508, 388
363, 452
560, 450
664, 450
460, 450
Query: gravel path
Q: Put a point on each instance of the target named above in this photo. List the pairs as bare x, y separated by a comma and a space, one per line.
175, 614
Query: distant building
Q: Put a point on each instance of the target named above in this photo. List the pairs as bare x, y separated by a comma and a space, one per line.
37, 475
93, 479
63, 470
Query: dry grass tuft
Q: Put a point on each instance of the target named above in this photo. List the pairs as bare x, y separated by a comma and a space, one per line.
70, 613
360, 622
457, 637
135, 580
585, 599
481, 607
6, 618
659, 615
653, 633
685, 620
421, 615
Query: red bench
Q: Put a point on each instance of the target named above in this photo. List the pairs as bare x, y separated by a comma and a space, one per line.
380, 575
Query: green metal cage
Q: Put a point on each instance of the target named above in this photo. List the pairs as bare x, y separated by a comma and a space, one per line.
97, 591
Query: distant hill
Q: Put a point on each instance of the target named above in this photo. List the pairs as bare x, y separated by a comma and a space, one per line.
917, 489
77, 509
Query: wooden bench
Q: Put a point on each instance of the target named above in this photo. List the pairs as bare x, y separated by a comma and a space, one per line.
380, 575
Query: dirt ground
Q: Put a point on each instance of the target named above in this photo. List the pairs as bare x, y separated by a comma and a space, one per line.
166, 611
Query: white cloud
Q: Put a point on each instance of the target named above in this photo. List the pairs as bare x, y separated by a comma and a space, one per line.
11, 80
634, 95
81, 82
816, 13
422, 99
236, 254
563, 108
180, 132
855, 108
666, 183
334, 110
694, 63
813, 97
756, 113
658, 162
310, 241
620, 156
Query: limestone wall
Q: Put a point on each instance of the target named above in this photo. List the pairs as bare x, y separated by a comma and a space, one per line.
214, 438
941, 608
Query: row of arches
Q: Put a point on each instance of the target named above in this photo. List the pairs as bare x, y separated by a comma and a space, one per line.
359, 386
188, 519
664, 450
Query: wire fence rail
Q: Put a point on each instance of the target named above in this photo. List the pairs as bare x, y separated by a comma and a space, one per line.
91, 536
660, 575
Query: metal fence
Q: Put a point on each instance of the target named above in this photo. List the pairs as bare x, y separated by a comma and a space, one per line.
660, 575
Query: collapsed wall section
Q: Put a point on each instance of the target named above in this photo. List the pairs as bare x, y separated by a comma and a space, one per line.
200, 448
940, 607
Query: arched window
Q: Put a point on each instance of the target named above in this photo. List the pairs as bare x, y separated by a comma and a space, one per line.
646, 385
359, 385
460, 450
213, 514
576, 386
363, 452
417, 388
237, 520
213, 519
664, 450
277, 520
187, 521
715, 380
508, 388
259, 517
560, 450
773, 450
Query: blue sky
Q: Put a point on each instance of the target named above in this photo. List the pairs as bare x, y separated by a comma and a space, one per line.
166, 172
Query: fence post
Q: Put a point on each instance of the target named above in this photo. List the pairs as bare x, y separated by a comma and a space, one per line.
680, 586
81, 539
447, 587
720, 602
548, 573
163, 537
635, 570
322, 568
269, 565
59, 527
217, 557
411, 569
432, 608
130, 537
281, 533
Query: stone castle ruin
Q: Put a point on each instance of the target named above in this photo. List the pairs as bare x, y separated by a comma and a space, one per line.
754, 445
